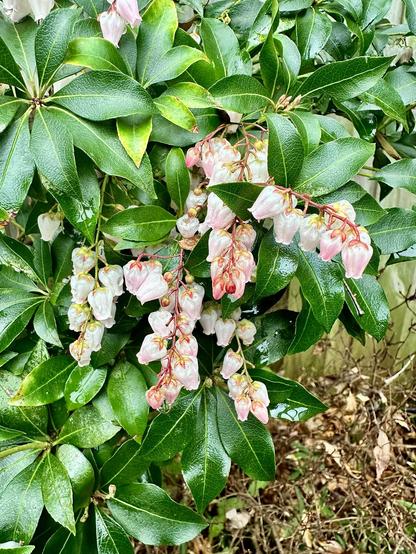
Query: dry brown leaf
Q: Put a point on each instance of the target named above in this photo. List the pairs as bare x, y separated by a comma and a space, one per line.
307, 538
332, 547
238, 520
382, 453
351, 404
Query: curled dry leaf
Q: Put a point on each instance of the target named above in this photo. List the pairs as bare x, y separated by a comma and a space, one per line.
382, 453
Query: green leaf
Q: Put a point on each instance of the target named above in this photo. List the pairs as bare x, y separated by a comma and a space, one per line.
134, 133
197, 259
21, 505
285, 154
9, 70
57, 492
111, 538
308, 128
86, 428
45, 384
80, 472
368, 210
18, 549
240, 93
100, 95
175, 111
9, 107
222, 48
321, 284
95, 53
401, 174
411, 14
51, 42
191, 94
395, 231
173, 63
307, 330
126, 391
331, 129
13, 464
16, 165
20, 40
269, 64
145, 223
205, 463
42, 260
125, 466
388, 99
147, 513
63, 541
288, 399
167, 133
82, 385
92, 7
100, 142
17, 256
276, 266
331, 165
45, 325
404, 82
14, 318
345, 79
239, 197
249, 443
111, 345
177, 178
374, 11
312, 31
169, 431
368, 305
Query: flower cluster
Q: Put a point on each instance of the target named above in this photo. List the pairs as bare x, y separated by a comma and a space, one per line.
16, 10
93, 305
114, 21
249, 396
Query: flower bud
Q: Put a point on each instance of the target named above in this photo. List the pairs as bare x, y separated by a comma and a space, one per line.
224, 329
219, 216
231, 364
94, 332
195, 199
187, 226
246, 235
161, 323
193, 156
111, 277
135, 273
155, 397
109, 321
257, 171
153, 288
190, 300
101, 302
83, 259
185, 369
185, 324
242, 407
331, 244
209, 316
218, 243
81, 286
270, 203
246, 331
342, 208
50, 225
258, 391
286, 225
259, 410
81, 352
237, 385
78, 314
172, 389
129, 11
310, 231
356, 255
153, 348
41, 8
112, 25
187, 345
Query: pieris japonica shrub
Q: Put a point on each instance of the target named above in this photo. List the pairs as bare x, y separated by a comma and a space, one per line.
162, 184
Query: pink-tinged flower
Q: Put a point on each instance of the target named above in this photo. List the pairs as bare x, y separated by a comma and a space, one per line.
231, 364
83, 259
81, 285
193, 156
310, 232
244, 260
50, 225
217, 151
135, 273
331, 244
172, 389
236, 284
270, 203
257, 164
237, 385
224, 329
129, 11
190, 300
101, 302
185, 324
246, 331
209, 317
246, 235
78, 314
109, 321
81, 352
153, 288
344, 209
259, 410
94, 333
219, 216
16, 10
187, 226
356, 255
154, 347
242, 407
225, 172
111, 277
161, 323
286, 225
41, 8
236, 314
185, 369
258, 392
196, 198
155, 397
187, 345
112, 25
218, 243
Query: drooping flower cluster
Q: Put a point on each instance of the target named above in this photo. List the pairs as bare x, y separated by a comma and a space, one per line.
16, 10
93, 305
114, 21
249, 396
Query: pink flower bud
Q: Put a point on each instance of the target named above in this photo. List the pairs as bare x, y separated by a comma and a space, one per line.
81, 352
246, 331
81, 286
356, 255
187, 345
331, 244
224, 329
259, 410
236, 285
153, 348
153, 288
111, 277
94, 332
190, 300
219, 216
135, 273
310, 231
216, 152
161, 323
246, 235
231, 364
155, 397
172, 389
50, 225
237, 384
242, 407
41, 8
112, 25
187, 226
258, 391
218, 243
101, 302
185, 369
244, 260
208, 319
83, 259
270, 203
129, 11
286, 225
193, 156
78, 314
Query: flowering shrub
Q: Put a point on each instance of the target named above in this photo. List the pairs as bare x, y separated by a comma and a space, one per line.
161, 185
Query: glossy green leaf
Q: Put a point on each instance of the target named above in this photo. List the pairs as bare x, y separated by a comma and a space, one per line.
197, 259
17, 256
12, 465
388, 99
111, 345
147, 513
374, 11
175, 111
239, 197
144, 224
395, 231
269, 64
9, 107
167, 132
240, 93
411, 14
42, 260
401, 174
249, 443
86, 428
285, 154
15, 317
308, 128
126, 391
45, 325
82, 385
100, 95
331, 129
80, 472
20, 40
173, 63
177, 178
404, 82
307, 330
134, 133
95, 53
276, 266
321, 284
313, 29
331, 165
57, 492
191, 94
63, 541
125, 466
111, 538
368, 210
9, 70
